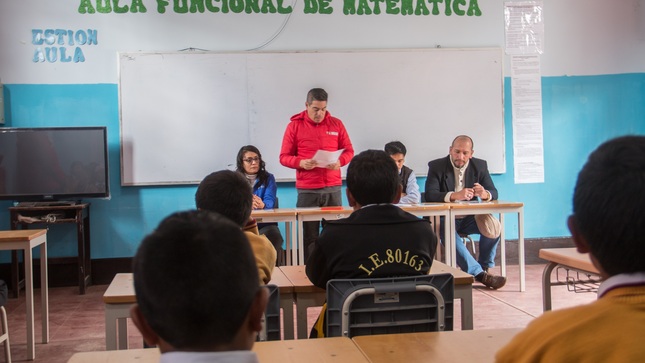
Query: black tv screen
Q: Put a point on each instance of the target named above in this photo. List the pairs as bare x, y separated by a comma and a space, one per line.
53, 163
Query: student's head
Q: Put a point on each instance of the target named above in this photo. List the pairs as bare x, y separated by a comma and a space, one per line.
397, 152
461, 150
249, 160
228, 193
609, 206
316, 104
372, 178
196, 285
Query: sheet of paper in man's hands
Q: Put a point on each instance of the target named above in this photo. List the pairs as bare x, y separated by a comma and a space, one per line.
324, 158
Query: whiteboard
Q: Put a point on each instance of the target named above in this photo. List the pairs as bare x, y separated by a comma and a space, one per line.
184, 115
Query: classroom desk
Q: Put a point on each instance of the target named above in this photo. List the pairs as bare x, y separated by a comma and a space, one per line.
326, 350
568, 258
446, 346
317, 214
289, 217
120, 296
307, 295
26, 240
492, 207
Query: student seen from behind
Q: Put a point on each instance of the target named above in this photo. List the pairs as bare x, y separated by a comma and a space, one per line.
229, 194
218, 312
357, 246
608, 215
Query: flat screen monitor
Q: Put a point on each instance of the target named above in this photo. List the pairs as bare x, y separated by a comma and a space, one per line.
52, 164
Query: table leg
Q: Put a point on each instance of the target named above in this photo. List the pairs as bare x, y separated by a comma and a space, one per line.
546, 286
286, 303
304, 301
44, 292
122, 326
300, 248
502, 244
520, 237
465, 294
29, 288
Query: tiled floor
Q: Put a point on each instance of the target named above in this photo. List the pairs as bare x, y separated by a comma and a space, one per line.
77, 321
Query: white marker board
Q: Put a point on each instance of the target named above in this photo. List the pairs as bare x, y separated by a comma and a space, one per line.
186, 114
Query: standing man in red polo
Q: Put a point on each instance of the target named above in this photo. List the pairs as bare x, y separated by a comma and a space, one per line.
309, 131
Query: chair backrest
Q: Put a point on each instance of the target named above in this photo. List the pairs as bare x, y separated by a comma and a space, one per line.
271, 318
389, 305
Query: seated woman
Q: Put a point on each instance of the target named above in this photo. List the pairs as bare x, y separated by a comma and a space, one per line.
251, 165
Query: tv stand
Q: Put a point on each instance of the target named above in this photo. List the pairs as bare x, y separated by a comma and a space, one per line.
24, 215
53, 203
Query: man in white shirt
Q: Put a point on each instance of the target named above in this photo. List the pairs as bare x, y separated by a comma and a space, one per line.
198, 297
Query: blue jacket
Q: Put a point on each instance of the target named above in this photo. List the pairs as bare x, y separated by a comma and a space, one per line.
267, 192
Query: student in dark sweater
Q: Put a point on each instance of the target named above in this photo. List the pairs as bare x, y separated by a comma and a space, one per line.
378, 239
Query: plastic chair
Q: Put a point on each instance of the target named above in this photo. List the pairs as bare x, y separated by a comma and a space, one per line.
271, 318
389, 305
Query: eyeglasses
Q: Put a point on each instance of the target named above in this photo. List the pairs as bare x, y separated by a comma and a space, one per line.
252, 160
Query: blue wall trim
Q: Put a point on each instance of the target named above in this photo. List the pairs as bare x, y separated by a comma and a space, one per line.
579, 113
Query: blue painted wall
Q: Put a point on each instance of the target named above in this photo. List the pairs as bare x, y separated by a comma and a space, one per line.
579, 113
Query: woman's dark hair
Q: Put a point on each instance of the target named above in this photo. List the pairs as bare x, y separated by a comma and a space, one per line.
263, 176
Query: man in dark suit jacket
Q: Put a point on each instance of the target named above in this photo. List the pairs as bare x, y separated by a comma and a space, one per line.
460, 177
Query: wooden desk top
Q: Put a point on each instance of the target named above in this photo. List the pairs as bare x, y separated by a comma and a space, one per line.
568, 257
340, 212
423, 207
279, 212
121, 290
21, 235
279, 279
498, 204
307, 350
461, 277
301, 283
298, 277
326, 350
448, 346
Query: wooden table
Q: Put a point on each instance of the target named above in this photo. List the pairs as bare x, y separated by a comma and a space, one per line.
307, 295
120, 296
568, 258
289, 217
27, 240
492, 207
78, 214
446, 346
326, 350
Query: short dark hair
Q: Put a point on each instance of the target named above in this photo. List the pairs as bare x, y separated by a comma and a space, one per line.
316, 94
263, 175
228, 193
395, 147
195, 279
372, 177
609, 204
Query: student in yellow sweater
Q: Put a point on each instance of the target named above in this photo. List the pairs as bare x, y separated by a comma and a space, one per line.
607, 220
229, 194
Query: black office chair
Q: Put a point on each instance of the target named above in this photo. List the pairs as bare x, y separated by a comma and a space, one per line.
389, 305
